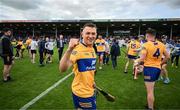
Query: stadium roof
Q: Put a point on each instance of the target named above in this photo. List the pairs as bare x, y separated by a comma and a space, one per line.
167, 26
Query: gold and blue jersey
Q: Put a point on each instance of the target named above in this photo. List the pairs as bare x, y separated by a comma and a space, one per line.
28, 42
133, 45
154, 52
14, 43
84, 66
100, 45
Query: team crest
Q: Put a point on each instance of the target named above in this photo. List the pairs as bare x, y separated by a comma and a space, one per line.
74, 52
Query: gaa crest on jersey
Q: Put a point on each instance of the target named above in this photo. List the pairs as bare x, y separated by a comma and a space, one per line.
74, 52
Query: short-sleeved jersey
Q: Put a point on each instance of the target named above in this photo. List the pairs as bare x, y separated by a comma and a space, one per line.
23, 46
20, 43
133, 45
33, 45
84, 66
14, 43
28, 42
100, 45
154, 52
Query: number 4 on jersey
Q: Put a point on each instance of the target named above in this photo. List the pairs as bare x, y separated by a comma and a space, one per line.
157, 53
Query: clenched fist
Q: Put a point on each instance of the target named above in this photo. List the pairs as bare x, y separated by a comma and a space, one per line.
73, 43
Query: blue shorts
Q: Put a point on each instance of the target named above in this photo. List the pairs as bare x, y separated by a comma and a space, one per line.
84, 103
132, 57
151, 74
100, 53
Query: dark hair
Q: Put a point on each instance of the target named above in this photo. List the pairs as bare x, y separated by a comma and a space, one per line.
151, 31
90, 25
114, 40
6, 30
136, 37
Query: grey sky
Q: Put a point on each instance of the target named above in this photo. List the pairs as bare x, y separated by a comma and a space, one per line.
88, 9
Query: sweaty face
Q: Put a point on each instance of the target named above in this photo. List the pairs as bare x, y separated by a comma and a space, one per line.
89, 35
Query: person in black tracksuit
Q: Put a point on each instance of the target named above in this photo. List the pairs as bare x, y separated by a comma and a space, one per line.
60, 45
115, 51
41, 45
7, 54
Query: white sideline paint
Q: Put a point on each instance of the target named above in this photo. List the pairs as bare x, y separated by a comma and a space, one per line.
26, 106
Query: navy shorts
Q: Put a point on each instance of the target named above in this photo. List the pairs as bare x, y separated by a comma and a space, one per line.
51, 52
132, 57
84, 103
7, 61
100, 53
33, 51
151, 74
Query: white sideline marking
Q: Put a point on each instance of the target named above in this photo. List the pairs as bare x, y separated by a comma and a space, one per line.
44, 93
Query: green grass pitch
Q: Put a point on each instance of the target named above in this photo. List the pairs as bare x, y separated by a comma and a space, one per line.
29, 80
